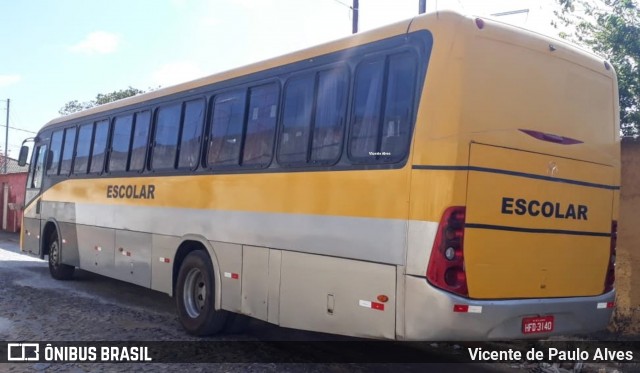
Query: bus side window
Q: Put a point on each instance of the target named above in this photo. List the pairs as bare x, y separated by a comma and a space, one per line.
54, 162
165, 144
399, 106
226, 129
120, 143
296, 120
363, 142
99, 148
191, 135
38, 170
328, 126
139, 141
83, 148
261, 125
375, 138
67, 150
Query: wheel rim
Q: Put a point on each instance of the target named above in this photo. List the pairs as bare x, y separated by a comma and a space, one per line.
53, 253
194, 293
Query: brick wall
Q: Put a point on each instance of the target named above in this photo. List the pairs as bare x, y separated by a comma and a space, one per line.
628, 252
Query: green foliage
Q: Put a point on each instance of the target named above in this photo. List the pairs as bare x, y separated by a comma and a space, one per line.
611, 28
101, 99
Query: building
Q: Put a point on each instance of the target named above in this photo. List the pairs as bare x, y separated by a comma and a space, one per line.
12, 190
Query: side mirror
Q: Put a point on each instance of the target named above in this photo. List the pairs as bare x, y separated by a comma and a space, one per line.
24, 153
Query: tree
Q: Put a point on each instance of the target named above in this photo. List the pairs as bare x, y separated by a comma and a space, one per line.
611, 28
101, 99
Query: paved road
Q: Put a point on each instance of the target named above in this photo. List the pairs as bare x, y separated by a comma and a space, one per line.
34, 307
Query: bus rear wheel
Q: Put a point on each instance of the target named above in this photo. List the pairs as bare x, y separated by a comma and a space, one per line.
195, 296
58, 270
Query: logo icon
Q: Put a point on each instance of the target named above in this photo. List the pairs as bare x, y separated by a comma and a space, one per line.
552, 169
23, 351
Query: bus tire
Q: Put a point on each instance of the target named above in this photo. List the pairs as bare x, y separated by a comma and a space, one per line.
58, 270
195, 296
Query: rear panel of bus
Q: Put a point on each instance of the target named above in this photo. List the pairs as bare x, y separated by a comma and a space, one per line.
516, 158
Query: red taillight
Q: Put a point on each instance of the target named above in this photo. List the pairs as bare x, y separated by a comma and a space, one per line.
611, 269
446, 264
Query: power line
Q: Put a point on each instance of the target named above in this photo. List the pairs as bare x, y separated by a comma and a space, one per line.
20, 129
343, 4
12, 118
511, 12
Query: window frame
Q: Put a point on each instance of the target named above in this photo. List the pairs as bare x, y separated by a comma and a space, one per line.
106, 146
48, 171
112, 129
345, 70
146, 157
202, 135
245, 89
92, 125
302, 75
73, 150
153, 133
418, 77
278, 93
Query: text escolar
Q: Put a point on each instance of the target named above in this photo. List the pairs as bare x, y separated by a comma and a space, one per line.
131, 191
547, 209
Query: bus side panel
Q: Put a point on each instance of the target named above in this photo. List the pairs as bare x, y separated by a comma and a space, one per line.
339, 296
255, 281
275, 270
133, 257
69, 243
64, 215
31, 235
230, 260
96, 249
163, 247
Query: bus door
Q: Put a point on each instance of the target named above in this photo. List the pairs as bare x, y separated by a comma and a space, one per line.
32, 230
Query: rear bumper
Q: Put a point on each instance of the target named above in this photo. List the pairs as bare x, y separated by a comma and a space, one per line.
429, 315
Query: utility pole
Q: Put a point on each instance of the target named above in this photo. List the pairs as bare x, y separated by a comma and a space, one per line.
354, 27
422, 7
6, 140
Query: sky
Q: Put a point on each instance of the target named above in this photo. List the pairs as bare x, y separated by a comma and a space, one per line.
55, 51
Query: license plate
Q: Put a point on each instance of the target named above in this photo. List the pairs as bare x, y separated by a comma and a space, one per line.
537, 324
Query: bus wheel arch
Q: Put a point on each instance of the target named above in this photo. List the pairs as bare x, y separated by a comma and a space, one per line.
188, 244
196, 289
52, 246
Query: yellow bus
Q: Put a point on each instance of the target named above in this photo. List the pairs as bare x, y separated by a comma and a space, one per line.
444, 177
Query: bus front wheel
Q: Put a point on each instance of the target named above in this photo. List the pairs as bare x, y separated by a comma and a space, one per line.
195, 296
58, 270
